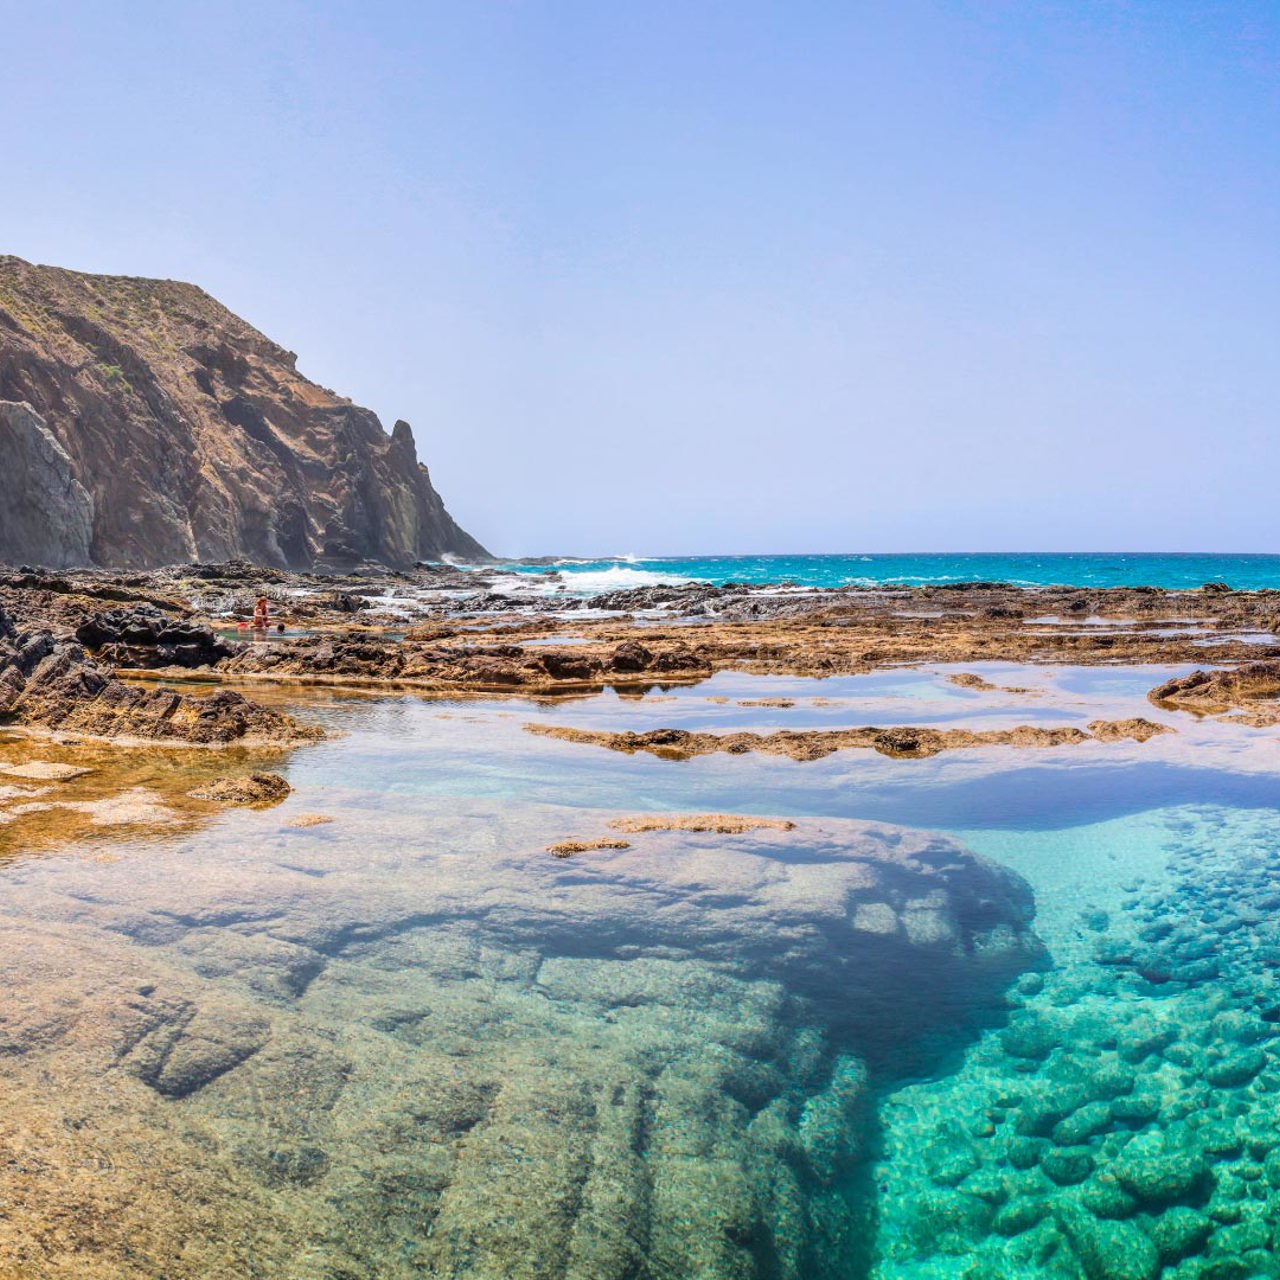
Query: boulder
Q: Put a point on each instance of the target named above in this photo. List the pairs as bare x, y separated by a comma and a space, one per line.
257, 789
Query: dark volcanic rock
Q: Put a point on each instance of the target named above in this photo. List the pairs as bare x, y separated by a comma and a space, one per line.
630, 655
682, 596
159, 428
54, 684
144, 637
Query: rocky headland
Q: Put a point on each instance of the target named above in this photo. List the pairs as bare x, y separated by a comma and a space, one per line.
142, 423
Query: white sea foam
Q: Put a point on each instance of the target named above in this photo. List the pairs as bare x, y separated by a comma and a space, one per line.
591, 582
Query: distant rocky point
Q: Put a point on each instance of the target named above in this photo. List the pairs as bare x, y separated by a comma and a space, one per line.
142, 424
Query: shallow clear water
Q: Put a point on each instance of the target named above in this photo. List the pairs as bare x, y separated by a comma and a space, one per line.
409, 1041
1036, 569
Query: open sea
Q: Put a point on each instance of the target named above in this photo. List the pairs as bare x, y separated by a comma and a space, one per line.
1030, 569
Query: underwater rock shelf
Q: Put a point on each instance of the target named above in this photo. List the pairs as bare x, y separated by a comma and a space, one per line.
446, 1053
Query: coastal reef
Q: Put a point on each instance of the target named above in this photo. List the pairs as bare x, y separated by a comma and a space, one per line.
453, 1055
143, 424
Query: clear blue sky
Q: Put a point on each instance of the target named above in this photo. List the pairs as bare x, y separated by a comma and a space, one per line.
699, 276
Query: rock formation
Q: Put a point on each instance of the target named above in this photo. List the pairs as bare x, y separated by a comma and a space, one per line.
52, 683
1253, 686
400, 1062
44, 507
143, 424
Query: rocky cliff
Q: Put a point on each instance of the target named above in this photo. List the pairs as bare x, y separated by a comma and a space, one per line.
141, 423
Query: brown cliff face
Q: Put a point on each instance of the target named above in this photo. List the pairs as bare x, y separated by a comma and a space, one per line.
191, 436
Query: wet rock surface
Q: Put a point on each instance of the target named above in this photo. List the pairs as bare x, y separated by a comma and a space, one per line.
466, 664
1252, 688
899, 741
251, 789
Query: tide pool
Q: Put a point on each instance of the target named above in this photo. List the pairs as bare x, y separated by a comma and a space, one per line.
991, 1013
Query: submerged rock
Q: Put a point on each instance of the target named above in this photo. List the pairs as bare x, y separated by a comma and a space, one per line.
1164, 1178
653, 1061
1109, 1250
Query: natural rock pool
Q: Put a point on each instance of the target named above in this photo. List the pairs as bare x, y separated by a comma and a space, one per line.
992, 1013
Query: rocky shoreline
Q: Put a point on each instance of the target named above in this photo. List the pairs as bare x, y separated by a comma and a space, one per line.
51, 682
389, 1031
446, 630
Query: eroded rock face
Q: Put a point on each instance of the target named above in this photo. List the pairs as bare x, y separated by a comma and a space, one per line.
159, 428
46, 514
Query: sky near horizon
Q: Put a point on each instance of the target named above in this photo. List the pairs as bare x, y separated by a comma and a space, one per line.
699, 276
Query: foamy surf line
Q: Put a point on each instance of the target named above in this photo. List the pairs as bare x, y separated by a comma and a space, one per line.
587, 582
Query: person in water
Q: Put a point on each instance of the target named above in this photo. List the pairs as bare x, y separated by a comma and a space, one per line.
261, 610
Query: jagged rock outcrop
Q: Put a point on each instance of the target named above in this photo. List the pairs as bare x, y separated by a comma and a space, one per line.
145, 637
50, 682
1220, 690
149, 425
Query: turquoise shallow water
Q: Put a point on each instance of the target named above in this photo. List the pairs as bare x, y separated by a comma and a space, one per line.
1091, 569
409, 1042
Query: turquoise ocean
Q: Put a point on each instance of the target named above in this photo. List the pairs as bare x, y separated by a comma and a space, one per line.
1031, 569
